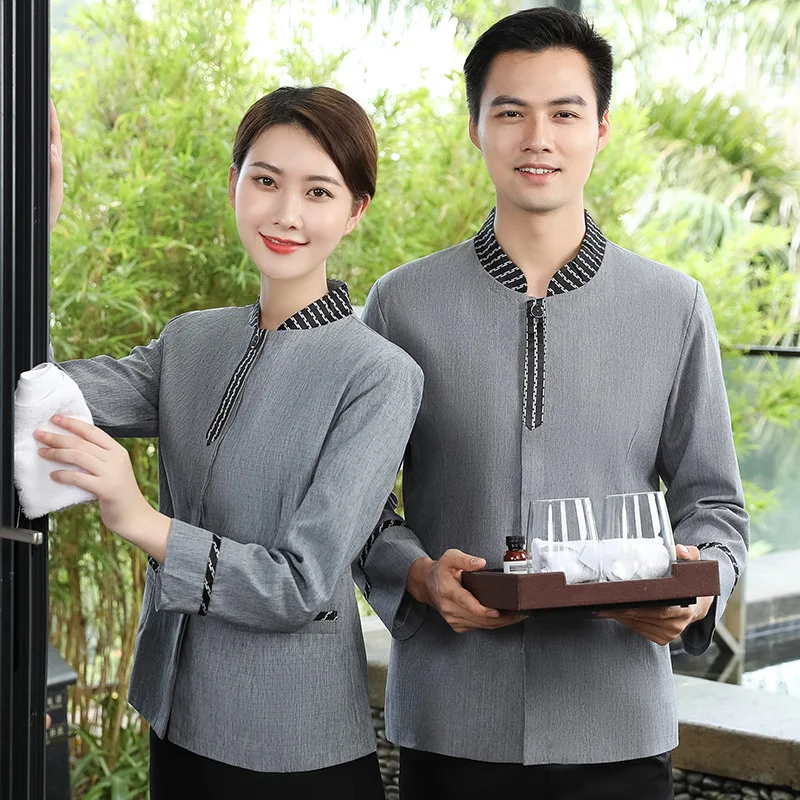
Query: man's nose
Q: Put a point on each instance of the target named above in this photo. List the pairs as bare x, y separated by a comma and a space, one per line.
538, 136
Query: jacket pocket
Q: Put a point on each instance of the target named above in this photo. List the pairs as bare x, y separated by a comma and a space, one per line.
324, 622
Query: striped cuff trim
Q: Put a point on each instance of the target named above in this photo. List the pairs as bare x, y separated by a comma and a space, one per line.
362, 559
153, 564
726, 550
211, 573
327, 616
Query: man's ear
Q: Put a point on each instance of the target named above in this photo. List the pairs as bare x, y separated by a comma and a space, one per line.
233, 178
473, 133
359, 207
603, 132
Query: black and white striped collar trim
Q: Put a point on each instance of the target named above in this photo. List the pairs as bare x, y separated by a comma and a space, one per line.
572, 275
331, 307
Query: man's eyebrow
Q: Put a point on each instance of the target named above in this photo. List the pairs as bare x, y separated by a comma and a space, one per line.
508, 100
309, 178
572, 100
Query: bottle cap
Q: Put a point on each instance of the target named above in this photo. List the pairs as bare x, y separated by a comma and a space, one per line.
515, 542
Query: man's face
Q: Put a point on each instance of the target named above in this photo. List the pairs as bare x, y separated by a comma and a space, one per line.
538, 129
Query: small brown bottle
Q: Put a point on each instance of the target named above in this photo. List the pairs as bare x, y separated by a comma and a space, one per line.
515, 561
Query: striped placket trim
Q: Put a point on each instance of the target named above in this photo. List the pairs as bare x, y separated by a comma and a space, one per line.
331, 307
573, 275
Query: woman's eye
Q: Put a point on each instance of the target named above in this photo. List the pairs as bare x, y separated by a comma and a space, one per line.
317, 191
264, 180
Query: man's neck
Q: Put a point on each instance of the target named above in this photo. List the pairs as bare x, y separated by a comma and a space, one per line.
540, 243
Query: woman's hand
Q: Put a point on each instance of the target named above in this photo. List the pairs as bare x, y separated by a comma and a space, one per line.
107, 474
56, 168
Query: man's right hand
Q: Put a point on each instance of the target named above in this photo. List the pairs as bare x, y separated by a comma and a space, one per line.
438, 583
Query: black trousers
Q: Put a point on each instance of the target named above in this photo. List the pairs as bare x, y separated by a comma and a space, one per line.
176, 773
429, 776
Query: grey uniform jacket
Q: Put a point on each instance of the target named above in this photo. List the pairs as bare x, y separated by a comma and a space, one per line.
276, 453
633, 391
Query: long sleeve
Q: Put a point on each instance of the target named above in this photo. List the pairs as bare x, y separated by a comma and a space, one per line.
697, 462
382, 567
281, 588
122, 394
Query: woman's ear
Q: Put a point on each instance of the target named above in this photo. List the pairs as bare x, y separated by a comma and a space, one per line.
359, 207
233, 179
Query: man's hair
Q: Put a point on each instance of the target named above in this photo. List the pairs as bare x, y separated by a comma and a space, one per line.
532, 31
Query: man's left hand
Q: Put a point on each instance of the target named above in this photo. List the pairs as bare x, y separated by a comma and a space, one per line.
663, 624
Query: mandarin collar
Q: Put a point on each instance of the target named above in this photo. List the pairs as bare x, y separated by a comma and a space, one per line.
331, 307
572, 275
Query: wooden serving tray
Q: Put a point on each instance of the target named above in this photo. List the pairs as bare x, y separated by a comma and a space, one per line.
549, 590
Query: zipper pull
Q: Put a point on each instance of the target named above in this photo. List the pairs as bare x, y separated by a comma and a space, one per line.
536, 308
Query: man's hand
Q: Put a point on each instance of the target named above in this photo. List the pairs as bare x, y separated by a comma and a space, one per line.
662, 625
107, 474
438, 583
56, 168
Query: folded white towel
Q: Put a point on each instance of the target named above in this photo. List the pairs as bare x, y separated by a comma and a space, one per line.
610, 559
42, 392
580, 561
635, 559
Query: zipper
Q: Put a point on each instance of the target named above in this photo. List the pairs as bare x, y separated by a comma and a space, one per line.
533, 380
228, 407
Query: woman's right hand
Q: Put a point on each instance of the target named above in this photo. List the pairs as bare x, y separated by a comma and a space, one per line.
56, 168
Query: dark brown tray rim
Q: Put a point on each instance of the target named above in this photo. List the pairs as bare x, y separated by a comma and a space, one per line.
550, 591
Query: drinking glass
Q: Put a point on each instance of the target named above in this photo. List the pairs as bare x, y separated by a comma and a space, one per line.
562, 537
636, 538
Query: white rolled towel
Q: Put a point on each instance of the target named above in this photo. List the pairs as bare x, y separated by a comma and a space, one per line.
42, 392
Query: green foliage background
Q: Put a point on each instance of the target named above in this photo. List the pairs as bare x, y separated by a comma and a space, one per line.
149, 109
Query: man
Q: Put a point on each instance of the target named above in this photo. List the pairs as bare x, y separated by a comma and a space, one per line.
557, 364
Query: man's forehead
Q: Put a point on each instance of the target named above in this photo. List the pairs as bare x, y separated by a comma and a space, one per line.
539, 77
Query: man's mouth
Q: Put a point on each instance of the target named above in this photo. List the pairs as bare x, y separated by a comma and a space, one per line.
537, 170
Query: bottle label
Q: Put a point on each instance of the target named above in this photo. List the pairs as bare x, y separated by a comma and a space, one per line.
515, 567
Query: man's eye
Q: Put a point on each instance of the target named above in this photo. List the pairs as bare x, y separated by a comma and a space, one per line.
566, 115
510, 114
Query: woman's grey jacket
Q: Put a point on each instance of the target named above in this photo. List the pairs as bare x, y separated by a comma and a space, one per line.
276, 453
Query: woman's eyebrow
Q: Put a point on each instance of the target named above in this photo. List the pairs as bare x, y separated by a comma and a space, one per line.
265, 165
323, 179
310, 178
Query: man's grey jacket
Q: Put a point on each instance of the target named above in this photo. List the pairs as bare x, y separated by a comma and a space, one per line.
630, 391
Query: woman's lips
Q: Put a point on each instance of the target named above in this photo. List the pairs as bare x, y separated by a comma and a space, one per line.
281, 246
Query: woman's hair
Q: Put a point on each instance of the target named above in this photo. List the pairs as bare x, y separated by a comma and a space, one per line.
335, 120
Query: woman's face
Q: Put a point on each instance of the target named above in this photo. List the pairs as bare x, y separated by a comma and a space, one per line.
291, 202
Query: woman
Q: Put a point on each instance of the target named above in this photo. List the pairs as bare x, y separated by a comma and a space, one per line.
281, 426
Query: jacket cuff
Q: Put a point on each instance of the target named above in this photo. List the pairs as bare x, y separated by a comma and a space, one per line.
185, 580
697, 637
385, 567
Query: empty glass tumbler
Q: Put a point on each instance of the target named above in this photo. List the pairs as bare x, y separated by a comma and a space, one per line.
636, 537
562, 537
